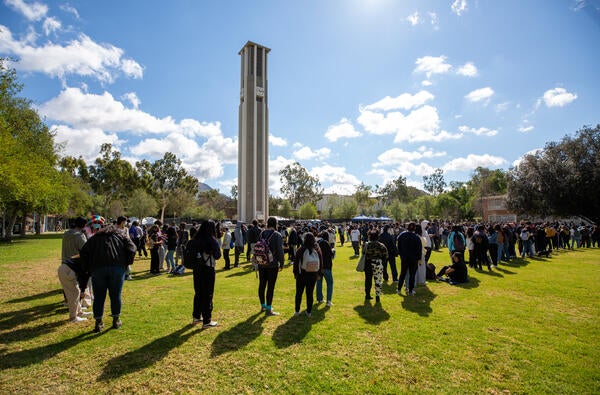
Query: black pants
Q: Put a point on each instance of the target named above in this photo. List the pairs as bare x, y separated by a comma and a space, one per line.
204, 288
226, 258
408, 266
292, 251
391, 261
154, 266
238, 251
355, 245
494, 253
305, 281
267, 277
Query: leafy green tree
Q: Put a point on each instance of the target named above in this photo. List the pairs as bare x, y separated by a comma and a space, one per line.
308, 211
167, 177
424, 206
29, 178
563, 179
394, 190
141, 204
285, 209
447, 206
464, 196
434, 183
362, 196
347, 209
298, 186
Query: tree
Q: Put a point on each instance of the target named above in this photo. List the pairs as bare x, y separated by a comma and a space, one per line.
347, 209
141, 204
464, 197
285, 210
447, 206
485, 182
308, 211
29, 178
394, 190
168, 176
362, 196
112, 178
563, 179
434, 183
298, 186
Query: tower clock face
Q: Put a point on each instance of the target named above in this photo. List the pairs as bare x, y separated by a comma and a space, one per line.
260, 92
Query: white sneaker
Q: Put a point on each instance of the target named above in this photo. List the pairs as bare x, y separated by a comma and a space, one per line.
211, 324
78, 319
319, 301
329, 304
84, 313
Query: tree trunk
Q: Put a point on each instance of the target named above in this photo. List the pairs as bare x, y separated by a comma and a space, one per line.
11, 224
23, 225
38, 224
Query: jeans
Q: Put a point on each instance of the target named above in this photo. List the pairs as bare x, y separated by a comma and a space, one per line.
329, 279
111, 279
170, 258
226, 258
267, 277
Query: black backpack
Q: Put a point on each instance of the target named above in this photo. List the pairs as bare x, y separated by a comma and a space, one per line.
459, 242
191, 253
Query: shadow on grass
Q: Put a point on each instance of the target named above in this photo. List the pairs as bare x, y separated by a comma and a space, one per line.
29, 333
419, 303
238, 336
296, 328
10, 319
473, 283
145, 356
373, 314
243, 272
504, 271
488, 272
516, 262
42, 295
40, 354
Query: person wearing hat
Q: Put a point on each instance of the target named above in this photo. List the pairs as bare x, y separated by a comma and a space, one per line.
106, 256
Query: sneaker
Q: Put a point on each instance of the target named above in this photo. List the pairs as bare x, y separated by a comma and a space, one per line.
211, 324
263, 309
296, 314
117, 323
308, 315
84, 313
272, 313
412, 293
99, 326
398, 291
395, 281
196, 321
329, 304
78, 319
319, 301
128, 277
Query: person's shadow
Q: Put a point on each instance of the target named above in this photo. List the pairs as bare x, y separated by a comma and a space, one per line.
419, 303
373, 314
297, 327
145, 356
238, 336
11, 319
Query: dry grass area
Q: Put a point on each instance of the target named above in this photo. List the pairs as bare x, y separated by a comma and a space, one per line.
529, 327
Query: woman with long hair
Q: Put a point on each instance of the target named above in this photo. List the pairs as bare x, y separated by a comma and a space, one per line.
207, 252
154, 243
308, 266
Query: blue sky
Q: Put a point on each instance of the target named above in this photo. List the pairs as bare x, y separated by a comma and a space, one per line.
359, 90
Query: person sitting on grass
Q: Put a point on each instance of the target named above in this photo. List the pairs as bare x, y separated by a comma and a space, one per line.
457, 273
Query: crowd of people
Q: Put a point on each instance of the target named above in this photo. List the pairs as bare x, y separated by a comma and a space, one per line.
97, 257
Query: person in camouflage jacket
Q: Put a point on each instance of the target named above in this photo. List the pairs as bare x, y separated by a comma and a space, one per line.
375, 254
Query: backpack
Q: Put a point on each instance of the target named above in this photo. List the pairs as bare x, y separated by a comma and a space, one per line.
430, 272
310, 261
262, 255
459, 242
191, 253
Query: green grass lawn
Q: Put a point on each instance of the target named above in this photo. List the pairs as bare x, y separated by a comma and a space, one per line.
529, 327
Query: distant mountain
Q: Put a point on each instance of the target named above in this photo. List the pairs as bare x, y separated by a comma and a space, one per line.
202, 187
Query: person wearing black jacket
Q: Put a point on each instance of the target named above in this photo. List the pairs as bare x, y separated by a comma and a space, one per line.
327, 260
106, 256
207, 252
410, 250
388, 241
267, 274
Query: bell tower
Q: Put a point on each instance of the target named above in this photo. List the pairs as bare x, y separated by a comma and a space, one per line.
253, 135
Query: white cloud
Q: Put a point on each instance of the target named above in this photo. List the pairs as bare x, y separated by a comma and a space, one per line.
414, 18
69, 9
459, 6
405, 101
396, 156
275, 166
468, 70
426, 83
306, 153
525, 129
33, 12
432, 65
51, 25
406, 169
479, 131
434, 20
85, 110
421, 124
343, 129
473, 161
277, 141
133, 99
483, 94
518, 161
500, 107
338, 178
558, 97
82, 56
83, 142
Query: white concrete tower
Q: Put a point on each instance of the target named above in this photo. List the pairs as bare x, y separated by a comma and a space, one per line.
253, 138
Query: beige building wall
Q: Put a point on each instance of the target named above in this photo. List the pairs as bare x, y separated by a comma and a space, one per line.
253, 137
